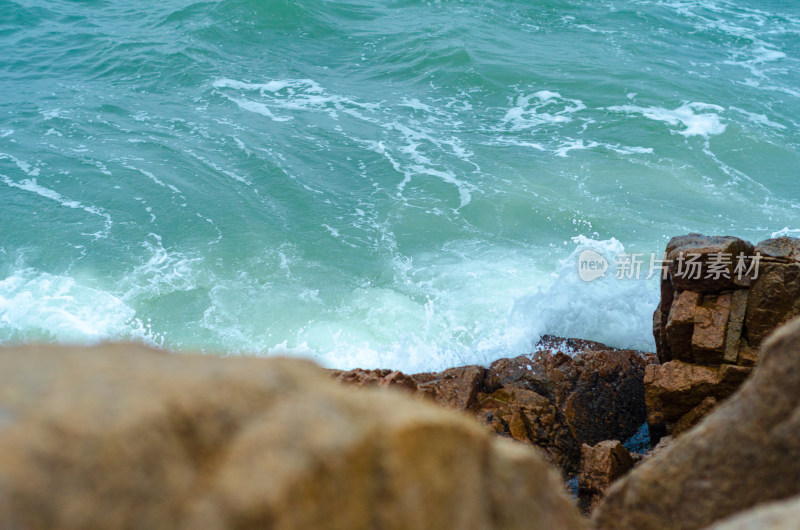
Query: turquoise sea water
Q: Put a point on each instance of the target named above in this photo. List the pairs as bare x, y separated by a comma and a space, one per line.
378, 183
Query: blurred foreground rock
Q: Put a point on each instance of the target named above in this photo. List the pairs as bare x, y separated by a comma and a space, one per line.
744, 453
719, 299
554, 400
120, 436
783, 515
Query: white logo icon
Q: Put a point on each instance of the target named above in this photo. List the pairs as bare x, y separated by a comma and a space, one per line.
591, 265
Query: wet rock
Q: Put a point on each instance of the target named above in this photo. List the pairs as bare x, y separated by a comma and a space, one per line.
594, 396
121, 436
744, 453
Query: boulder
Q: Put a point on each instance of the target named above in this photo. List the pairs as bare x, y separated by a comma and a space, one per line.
121, 436
719, 298
745, 453
784, 515
706, 264
775, 293
601, 465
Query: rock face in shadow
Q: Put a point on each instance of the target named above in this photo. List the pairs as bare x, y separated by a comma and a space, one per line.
121, 436
552, 400
719, 299
745, 453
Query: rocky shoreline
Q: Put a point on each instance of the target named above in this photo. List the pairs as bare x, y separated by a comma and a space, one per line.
120, 436
553, 400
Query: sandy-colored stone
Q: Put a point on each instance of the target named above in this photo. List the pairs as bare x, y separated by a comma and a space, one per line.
745, 453
784, 515
121, 436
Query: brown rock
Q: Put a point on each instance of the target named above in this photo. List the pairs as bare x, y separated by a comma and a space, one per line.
748, 356
595, 395
601, 465
673, 389
680, 325
711, 329
455, 388
733, 336
775, 294
745, 453
786, 249
684, 251
663, 350
554, 401
568, 345
528, 417
120, 436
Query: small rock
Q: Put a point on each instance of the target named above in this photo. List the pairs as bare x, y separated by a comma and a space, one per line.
601, 465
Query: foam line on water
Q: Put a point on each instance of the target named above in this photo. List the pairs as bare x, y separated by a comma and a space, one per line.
693, 117
31, 185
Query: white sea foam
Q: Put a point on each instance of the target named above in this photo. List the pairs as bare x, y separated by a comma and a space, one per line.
786, 232
475, 311
761, 54
271, 86
52, 307
540, 108
695, 117
258, 108
611, 310
162, 272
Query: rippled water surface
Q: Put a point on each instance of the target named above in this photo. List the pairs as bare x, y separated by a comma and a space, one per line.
401, 184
